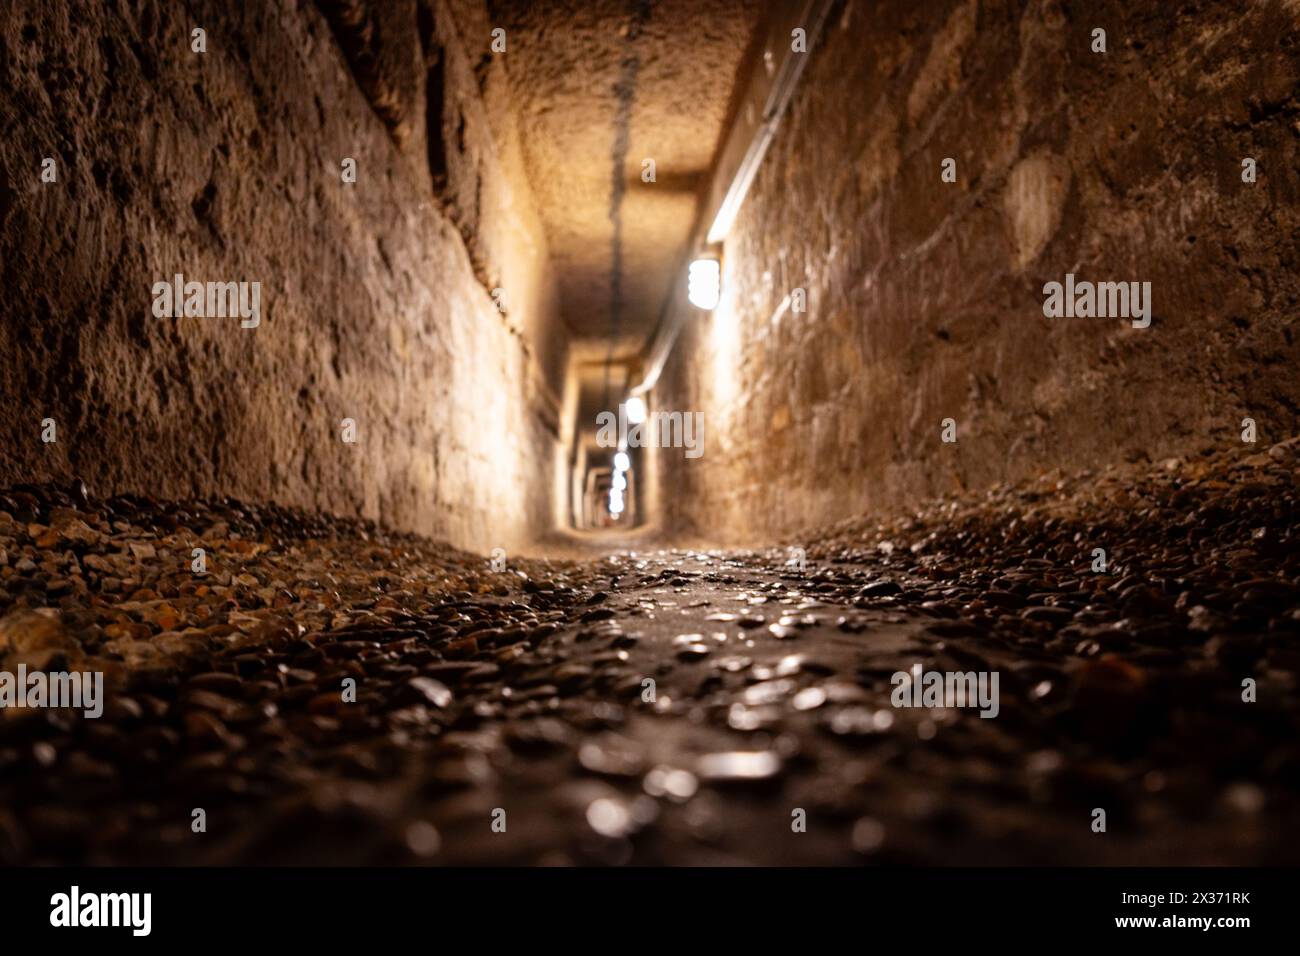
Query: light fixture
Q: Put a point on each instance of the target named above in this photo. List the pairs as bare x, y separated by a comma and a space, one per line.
622, 462
704, 284
635, 411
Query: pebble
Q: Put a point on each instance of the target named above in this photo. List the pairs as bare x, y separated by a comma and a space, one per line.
738, 766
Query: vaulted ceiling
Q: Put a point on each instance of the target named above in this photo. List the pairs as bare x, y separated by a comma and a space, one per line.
600, 87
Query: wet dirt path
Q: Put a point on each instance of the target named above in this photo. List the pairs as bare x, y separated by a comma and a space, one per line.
326, 692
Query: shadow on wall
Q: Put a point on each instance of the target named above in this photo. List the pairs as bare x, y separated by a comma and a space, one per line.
924, 228
376, 290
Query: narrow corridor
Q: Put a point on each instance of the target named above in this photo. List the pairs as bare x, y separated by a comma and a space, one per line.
668, 432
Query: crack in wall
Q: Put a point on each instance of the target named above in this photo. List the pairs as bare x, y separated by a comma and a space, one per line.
356, 30
625, 92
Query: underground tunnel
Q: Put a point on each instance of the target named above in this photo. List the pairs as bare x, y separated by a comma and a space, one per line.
649, 432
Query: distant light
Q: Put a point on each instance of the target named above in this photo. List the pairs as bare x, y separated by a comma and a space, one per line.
622, 462
618, 482
704, 284
635, 411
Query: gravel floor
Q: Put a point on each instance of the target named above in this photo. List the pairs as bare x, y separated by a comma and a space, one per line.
505, 716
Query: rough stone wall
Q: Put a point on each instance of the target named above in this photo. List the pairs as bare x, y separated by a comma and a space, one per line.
226, 166
925, 298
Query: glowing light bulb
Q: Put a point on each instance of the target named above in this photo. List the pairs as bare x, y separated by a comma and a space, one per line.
704, 284
622, 462
635, 410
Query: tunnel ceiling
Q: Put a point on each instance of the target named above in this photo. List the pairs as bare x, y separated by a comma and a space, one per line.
600, 86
